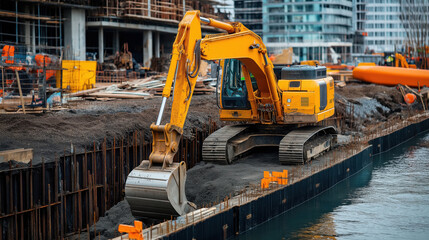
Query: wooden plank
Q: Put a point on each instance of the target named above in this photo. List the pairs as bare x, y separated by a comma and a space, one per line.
20, 91
19, 155
113, 95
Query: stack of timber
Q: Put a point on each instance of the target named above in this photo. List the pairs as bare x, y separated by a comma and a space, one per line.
145, 88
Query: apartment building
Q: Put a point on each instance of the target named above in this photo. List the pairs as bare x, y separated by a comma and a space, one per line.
383, 26
249, 12
318, 30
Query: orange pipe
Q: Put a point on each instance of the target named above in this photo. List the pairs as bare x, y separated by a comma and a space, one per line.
392, 76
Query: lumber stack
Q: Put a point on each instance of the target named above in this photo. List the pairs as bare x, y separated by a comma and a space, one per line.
145, 88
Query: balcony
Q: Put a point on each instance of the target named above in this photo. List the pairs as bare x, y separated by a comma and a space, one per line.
337, 12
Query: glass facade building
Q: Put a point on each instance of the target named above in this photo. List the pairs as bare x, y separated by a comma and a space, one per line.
315, 29
249, 12
324, 30
383, 26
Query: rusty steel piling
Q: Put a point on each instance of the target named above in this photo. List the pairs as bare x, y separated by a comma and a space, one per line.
54, 200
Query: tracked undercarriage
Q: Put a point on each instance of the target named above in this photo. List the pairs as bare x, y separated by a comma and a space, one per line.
296, 145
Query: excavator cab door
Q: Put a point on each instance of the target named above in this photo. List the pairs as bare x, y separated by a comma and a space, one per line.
233, 88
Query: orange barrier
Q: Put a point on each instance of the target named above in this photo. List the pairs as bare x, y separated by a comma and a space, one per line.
134, 232
367, 64
410, 98
392, 76
278, 177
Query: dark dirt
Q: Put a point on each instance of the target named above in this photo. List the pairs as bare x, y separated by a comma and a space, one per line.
207, 183
363, 105
107, 226
53, 133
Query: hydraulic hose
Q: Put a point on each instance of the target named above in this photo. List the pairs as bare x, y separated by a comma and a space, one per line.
196, 62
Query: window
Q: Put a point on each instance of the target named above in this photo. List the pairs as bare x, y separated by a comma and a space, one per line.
276, 10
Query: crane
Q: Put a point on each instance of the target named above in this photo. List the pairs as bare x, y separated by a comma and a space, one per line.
273, 106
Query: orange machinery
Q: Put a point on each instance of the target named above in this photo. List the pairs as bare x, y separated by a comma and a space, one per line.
401, 61
392, 76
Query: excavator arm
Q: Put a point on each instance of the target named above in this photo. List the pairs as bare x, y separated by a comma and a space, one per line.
188, 50
156, 187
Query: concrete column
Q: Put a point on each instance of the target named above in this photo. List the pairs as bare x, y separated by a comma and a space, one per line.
157, 45
116, 47
33, 33
147, 48
33, 38
27, 31
74, 34
100, 45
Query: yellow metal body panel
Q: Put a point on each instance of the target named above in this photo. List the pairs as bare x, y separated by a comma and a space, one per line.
235, 115
310, 63
302, 104
78, 75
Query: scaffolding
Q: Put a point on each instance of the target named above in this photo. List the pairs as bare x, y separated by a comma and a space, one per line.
31, 28
165, 10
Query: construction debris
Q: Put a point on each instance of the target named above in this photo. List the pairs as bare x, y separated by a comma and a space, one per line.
139, 89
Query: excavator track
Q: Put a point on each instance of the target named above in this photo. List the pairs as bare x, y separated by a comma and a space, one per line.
305, 143
215, 145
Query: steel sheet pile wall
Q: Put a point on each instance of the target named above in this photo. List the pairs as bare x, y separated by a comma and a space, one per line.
220, 226
56, 199
384, 143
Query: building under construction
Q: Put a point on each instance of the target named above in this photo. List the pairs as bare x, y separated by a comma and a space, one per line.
79, 30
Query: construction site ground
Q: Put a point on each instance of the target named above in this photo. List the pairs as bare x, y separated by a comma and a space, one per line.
50, 134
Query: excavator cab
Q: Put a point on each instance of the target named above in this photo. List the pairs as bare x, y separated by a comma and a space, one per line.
234, 92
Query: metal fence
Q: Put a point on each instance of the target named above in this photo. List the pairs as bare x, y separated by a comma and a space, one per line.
26, 87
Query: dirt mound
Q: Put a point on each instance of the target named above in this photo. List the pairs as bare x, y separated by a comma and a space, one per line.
53, 133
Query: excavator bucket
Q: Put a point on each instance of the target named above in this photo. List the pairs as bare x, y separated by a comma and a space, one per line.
158, 192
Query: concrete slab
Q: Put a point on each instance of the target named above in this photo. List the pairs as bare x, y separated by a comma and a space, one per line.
19, 155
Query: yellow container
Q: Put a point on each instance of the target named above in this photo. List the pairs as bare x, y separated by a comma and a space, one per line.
79, 75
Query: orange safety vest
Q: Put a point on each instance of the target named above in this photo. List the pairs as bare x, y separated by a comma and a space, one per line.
8, 54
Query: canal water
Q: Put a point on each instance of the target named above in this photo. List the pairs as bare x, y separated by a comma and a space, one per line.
388, 199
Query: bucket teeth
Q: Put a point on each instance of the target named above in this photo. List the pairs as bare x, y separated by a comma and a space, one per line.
157, 192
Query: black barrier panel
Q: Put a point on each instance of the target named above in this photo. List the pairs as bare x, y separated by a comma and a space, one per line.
385, 143
220, 226
245, 217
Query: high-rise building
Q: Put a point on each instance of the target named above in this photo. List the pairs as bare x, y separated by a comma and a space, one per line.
249, 12
359, 16
383, 26
316, 30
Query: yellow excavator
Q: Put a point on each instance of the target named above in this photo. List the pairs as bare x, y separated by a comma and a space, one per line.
401, 61
280, 107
